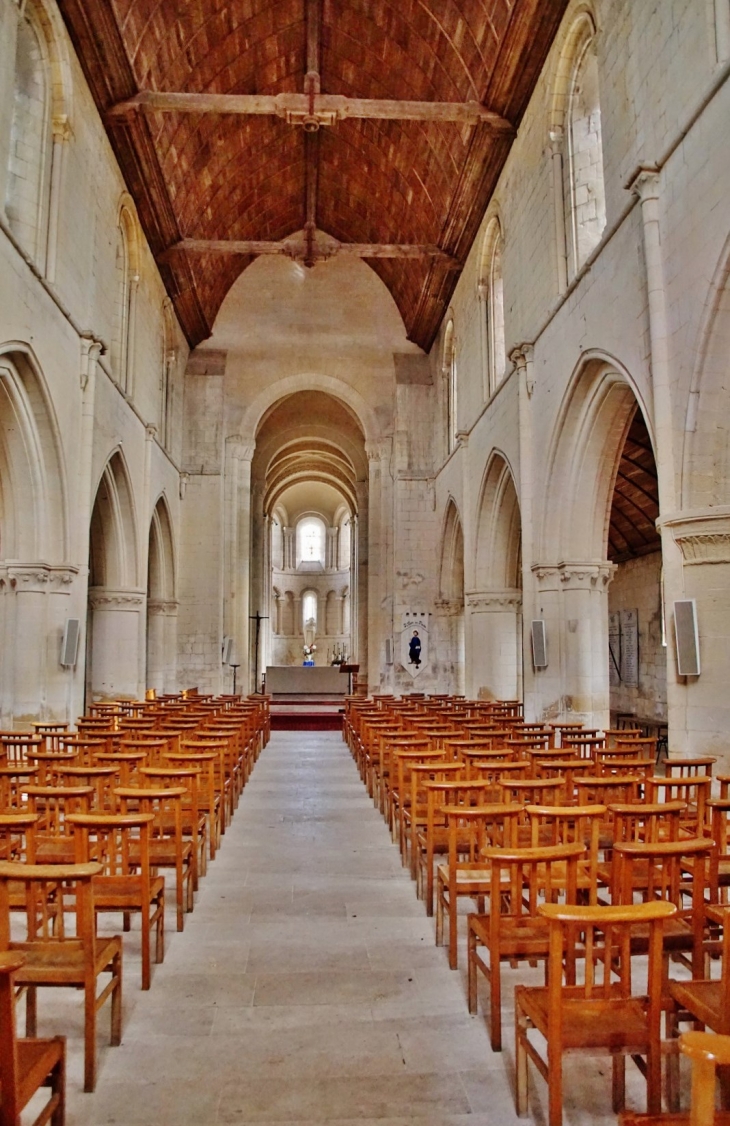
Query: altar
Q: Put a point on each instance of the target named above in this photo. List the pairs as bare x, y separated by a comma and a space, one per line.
290, 680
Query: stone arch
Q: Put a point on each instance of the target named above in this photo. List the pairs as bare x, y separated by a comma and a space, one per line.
706, 457
113, 555
449, 639
583, 459
161, 558
33, 494
280, 389
498, 539
161, 602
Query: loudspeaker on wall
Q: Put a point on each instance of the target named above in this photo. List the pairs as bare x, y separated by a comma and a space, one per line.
539, 644
226, 650
70, 642
687, 637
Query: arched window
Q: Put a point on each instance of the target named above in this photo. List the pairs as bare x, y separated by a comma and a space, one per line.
575, 134
449, 374
345, 545
126, 288
492, 296
309, 611
28, 178
310, 540
166, 382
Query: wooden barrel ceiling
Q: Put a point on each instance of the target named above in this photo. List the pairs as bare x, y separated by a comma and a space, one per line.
372, 128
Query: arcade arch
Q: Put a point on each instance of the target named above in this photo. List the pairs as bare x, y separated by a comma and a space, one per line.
447, 648
161, 603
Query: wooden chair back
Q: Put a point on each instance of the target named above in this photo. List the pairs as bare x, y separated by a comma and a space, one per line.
26, 1065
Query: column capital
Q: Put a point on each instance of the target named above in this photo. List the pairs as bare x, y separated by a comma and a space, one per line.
150, 432
645, 182
103, 599
576, 575
91, 351
479, 601
703, 536
165, 607
39, 578
61, 127
376, 449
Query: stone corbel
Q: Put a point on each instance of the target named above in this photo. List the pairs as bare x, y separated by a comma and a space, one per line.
494, 600
702, 536
522, 357
91, 352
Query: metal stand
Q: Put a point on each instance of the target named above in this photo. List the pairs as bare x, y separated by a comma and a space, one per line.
234, 667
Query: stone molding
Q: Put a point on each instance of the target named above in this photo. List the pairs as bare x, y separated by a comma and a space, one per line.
575, 575
162, 606
702, 537
38, 578
102, 599
448, 607
494, 600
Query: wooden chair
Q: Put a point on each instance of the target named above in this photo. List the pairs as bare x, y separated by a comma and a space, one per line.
60, 945
415, 813
570, 824
432, 838
206, 763
194, 824
466, 875
604, 1011
27, 1064
694, 791
707, 1052
168, 848
513, 931
54, 832
14, 780
705, 1001
121, 844
688, 767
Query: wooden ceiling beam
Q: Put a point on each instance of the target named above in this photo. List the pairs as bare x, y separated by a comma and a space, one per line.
319, 109
302, 249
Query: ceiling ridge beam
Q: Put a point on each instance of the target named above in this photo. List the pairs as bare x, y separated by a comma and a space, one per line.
326, 109
301, 248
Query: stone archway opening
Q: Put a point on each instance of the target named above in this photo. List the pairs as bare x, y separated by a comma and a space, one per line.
448, 655
161, 604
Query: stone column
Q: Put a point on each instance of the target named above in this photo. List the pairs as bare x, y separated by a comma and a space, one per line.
483, 311
375, 562
61, 135
646, 187
332, 548
91, 351
561, 242
703, 537
237, 549
494, 643
267, 625
523, 359
585, 625
117, 624
161, 644
354, 589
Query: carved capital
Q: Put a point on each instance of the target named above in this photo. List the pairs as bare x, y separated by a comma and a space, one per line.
162, 607
376, 450
61, 127
645, 184
39, 578
703, 536
586, 576
150, 431
545, 576
495, 601
448, 607
124, 600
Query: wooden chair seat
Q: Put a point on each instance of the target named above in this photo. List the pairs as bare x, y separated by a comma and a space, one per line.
27, 1064
598, 1023
706, 1051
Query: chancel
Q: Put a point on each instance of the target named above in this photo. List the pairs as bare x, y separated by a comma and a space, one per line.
364, 370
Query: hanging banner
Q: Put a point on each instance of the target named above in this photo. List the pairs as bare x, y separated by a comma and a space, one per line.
414, 641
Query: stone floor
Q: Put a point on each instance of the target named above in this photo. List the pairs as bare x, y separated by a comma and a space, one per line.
306, 986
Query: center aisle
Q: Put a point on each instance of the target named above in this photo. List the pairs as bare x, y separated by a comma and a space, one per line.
306, 986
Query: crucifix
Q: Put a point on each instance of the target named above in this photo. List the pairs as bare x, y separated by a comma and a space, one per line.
258, 618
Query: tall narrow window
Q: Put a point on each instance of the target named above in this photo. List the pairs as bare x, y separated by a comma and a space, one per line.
585, 152
126, 283
310, 541
450, 386
492, 292
26, 202
166, 381
309, 611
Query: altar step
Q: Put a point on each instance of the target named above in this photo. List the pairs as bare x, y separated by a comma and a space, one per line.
306, 712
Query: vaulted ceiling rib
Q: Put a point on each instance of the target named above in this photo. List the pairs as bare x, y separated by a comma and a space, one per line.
382, 183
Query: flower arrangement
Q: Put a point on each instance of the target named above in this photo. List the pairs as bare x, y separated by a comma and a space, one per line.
309, 650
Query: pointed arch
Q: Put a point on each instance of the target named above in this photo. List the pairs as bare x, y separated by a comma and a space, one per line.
497, 563
33, 493
161, 558
113, 552
585, 452
451, 571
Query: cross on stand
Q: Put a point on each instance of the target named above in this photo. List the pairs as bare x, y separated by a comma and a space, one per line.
258, 618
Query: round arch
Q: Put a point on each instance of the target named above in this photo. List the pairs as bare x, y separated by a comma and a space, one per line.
282, 388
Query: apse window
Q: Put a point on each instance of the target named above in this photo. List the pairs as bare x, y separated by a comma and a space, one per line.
309, 610
310, 537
